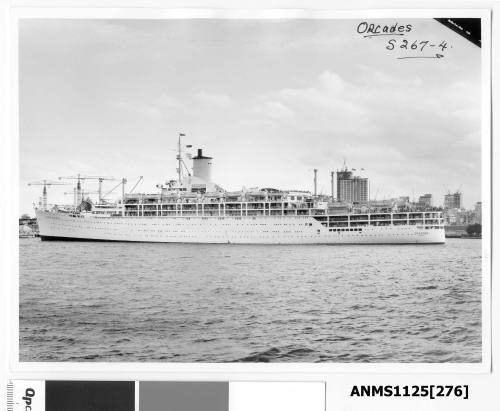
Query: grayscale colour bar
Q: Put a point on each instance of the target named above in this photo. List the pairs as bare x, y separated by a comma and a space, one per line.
183, 396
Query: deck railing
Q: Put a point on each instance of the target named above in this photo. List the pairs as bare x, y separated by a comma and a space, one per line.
276, 209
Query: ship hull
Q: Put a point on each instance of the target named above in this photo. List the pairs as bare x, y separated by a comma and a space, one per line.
223, 230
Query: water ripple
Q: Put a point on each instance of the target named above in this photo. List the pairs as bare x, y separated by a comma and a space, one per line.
229, 303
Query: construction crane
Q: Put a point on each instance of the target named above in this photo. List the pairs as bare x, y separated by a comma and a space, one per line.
45, 184
78, 191
122, 183
84, 193
136, 184
100, 179
78, 177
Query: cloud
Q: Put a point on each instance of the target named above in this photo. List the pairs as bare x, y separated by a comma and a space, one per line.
381, 122
159, 107
166, 101
325, 106
77, 165
274, 110
213, 100
138, 108
332, 82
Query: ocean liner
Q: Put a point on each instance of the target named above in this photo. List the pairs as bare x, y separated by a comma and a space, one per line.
193, 209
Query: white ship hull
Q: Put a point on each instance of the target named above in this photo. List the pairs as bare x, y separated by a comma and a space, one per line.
223, 230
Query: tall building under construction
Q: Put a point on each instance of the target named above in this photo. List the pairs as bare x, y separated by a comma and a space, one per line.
453, 200
351, 189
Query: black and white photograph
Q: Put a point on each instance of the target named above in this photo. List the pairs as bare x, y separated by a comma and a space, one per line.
252, 190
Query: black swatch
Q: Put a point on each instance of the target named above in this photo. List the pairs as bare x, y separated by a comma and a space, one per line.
89, 396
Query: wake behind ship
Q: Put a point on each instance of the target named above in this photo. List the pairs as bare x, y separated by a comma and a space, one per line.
193, 209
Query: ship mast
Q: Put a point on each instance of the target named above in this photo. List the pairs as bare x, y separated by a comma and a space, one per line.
179, 158
315, 182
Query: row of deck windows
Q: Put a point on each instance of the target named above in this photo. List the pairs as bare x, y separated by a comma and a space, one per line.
253, 210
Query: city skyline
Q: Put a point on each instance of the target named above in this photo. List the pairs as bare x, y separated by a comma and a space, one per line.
271, 102
416, 198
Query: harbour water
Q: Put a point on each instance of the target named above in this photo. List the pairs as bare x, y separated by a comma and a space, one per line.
86, 301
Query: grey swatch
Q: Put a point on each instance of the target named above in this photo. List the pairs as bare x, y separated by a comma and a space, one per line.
183, 396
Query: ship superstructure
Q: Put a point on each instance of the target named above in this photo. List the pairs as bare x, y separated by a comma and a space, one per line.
193, 209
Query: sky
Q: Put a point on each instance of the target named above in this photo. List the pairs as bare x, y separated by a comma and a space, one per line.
269, 100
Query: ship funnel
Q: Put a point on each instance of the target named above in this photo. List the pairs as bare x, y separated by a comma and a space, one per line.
202, 166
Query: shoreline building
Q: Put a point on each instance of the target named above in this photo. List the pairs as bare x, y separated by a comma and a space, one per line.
354, 190
425, 200
478, 215
453, 200
351, 189
343, 174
